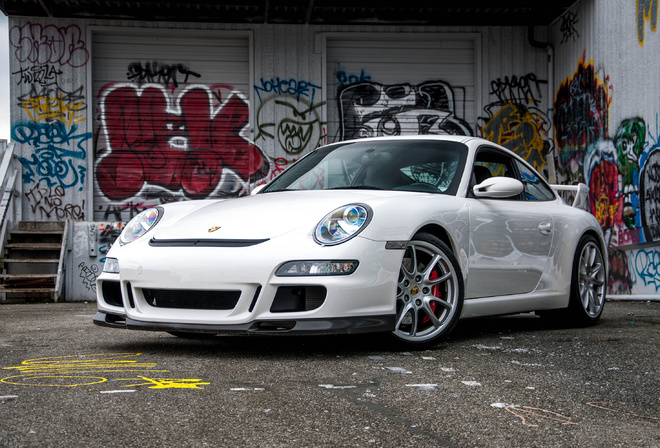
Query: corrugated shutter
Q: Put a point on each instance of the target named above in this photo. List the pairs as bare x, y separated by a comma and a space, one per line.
401, 83
170, 112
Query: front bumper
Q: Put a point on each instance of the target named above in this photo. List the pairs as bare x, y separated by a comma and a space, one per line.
231, 289
345, 325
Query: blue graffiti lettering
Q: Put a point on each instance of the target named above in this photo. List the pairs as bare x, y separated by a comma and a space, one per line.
346, 78
57, 152
647, 267
291, 87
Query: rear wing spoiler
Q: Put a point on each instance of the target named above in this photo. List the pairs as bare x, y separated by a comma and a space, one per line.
579, 192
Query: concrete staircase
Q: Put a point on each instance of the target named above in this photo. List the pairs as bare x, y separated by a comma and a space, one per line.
33, 263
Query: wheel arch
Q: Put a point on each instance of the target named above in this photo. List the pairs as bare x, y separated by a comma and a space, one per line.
440, 233
601, 241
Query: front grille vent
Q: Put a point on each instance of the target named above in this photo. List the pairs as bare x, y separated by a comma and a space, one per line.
201, 242
191, 299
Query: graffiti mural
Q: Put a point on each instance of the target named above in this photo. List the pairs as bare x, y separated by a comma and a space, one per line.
647, 10
622, 170
59, 153
289, 119
580, 118
649, 186
370, 109
155, 146
522, 129
629, 143
48, 44
50, 123
623, 175
646, 269
514, 120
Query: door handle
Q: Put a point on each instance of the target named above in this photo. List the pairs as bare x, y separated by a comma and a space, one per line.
545, 228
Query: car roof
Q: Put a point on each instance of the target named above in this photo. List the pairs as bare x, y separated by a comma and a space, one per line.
441, 137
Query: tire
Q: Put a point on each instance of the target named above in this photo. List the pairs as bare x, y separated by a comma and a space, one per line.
429, 295
588, 283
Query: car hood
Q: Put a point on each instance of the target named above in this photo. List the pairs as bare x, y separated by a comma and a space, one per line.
260, 216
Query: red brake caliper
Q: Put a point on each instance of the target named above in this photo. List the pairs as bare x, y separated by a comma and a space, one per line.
435, 290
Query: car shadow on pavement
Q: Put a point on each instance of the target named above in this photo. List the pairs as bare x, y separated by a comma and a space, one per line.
279, 346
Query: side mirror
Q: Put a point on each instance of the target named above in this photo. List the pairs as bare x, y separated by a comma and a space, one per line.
498, 187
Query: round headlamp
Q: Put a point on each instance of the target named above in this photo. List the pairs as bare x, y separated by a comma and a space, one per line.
342, 224
140, 225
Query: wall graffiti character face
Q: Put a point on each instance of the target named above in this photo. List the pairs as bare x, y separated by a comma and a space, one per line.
297, 126
629, 142
370, 109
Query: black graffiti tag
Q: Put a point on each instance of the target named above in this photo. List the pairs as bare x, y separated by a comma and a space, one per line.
524, 89
168, 75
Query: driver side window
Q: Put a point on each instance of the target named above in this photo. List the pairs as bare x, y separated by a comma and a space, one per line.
492, 163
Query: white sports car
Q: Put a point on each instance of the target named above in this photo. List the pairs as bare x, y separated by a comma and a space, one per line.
404, 235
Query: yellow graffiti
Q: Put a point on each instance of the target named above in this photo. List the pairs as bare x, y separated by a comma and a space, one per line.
168, 383
75, 370
604, 211
647, 10
47, 109
520, 129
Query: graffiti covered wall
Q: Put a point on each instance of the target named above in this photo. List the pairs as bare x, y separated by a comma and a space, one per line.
606, 120
99, 142
49, 111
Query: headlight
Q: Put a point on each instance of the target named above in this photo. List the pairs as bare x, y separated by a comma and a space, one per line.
140, 225
342, 224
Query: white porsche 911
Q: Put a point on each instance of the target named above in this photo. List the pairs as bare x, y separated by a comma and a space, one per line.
404, 235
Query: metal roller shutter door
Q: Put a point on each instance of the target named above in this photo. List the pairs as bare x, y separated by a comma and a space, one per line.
401, 84
171, 111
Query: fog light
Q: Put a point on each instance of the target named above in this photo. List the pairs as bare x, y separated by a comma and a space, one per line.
318, 268
111, 266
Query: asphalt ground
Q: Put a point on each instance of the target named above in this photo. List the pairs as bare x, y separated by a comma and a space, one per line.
499, 382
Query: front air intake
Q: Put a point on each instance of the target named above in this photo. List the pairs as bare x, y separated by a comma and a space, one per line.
298, 298
191, 299
111, 292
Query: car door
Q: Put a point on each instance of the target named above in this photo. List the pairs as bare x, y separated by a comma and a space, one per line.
510, 238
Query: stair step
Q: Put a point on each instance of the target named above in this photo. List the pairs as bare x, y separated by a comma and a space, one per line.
36, 232
29, 260
4, 290
41, 225
34, 246
22, 276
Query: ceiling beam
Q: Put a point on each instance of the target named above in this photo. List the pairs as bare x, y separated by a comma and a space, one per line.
45, 8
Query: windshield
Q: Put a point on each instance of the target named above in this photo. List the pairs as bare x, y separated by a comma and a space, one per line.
411, 165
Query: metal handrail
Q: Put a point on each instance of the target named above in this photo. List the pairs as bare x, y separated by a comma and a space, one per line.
9, 172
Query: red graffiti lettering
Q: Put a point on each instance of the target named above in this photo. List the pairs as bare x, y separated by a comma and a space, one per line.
182, 144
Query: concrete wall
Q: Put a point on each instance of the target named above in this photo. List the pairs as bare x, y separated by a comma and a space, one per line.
526, 91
